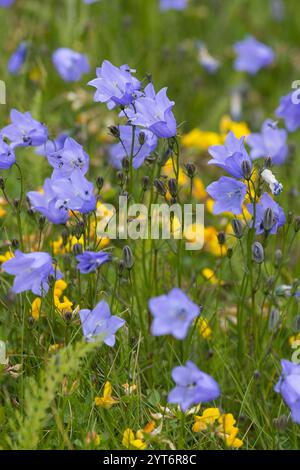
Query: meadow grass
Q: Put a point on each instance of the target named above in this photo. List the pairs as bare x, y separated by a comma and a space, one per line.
48, 390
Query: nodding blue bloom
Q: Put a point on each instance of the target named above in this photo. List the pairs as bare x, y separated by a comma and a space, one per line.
100, 322
252, 55
209, 63
289, 387
115, 85
271, 142
17, 59
6, 3
145, 142
266, 202
24, 130
7, 155
71, 65
54, 209
89, 261
173, 4
192, 386
68, 158
31, 271
52, 146
230, 156
289, 112
154, 112
228, 194
75, 192
172, 314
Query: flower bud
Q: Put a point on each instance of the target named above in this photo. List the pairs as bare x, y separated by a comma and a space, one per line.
237, 228
42, 221
120, 177
16, 203
15, 243
274, 319
190, 169
278, 258
121, 267
125, 164
172, 184
145, 182
99, 183
290, 217
77, 249
128, 257
114, 131
246, 169
256, 374
67, 317
65, 235
268, 219
142, 138
268, 163
297, 324
160, 187
257, 253
2, 183
221, 238
229, 252
297, 224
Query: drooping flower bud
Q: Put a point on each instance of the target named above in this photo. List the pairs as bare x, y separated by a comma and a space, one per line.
221, 238
297, 224
160, 187
268, 219
190, 169
99, 183
278, 257
237, 228
77, 249
172, 184
246, 169
145, 182
114, 131
128, 257
274, 319
142, 138
257, 253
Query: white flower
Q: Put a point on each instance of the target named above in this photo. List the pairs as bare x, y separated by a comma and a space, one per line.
270, 179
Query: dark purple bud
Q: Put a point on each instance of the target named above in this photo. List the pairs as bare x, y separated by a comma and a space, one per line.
257, 253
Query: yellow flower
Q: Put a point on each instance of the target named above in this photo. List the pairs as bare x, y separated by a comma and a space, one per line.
65, 304
294, 338
55, 347
2, 210
227, 431
106, 401
7, 255
209, 205
59, 287
209, 416
129, 440
198, 188
129, 389
209, 275
36, 308
239, 129
200, 139
204, 328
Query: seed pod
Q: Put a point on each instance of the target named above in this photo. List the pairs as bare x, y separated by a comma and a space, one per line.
190, 169
221, 238
274, 319
160, 187
99, 182
172, 184
268, 219
145, 182
128, 257
114, 131
257, 253
237, 228
246, 169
